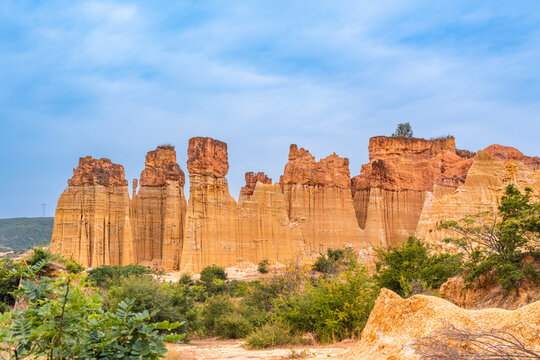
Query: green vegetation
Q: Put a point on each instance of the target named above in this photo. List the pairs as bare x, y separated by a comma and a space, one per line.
23, 233
263, 266
414, 268
329, 298
498, 243
403, 130
64, 319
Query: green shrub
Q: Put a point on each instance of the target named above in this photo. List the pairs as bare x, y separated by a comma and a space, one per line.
186, 279
210, 273
273, 335
238, 288
496, 243
333, 308
327, 264
8, 283
412, 268
163, 301
263, 266
73, 266
213, 309
105, 275
253, 311
232, 326
63, 319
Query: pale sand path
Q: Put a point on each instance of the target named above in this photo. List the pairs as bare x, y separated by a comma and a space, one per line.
208, 349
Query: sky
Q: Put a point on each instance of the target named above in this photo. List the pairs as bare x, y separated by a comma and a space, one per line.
117, 78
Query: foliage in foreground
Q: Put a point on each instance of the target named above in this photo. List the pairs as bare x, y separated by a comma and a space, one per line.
62, 318
413, 268
497, 243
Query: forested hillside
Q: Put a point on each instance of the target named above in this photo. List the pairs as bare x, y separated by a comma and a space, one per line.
22, 233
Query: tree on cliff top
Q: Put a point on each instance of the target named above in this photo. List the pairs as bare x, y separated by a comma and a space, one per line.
403, 130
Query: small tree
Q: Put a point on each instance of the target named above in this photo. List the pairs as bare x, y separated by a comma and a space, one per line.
403, 130
496, 242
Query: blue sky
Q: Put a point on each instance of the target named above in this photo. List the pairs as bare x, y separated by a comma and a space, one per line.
117, 78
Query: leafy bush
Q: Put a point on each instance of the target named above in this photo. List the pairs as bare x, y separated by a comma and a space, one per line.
332, 308
412, 268
232, 326
9, 282
163, 301
213, 309
263, 266
105, 275
210, 273
73, 266
64, 319
495, 243
327, 264
272, 335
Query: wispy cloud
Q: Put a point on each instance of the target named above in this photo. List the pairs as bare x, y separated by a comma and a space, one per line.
116, 78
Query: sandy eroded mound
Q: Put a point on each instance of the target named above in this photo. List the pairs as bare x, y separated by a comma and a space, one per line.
395, 323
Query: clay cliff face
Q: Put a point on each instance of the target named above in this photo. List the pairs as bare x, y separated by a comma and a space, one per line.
319, 202
390, 191
92, 220
158, 211
485, 184
406, 189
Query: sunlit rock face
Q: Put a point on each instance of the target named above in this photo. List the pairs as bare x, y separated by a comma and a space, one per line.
158, 211
395, 323
92, 221
407, 188
211, 231
318, 200
482, 190
391, 190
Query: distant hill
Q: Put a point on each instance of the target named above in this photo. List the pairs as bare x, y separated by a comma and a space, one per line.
23, 233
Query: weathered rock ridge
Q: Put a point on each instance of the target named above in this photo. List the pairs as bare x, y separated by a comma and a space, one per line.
395, 323
408, 186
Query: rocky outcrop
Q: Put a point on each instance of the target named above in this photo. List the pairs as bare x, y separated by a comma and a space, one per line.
92, 221
158, 211
482, 190
251, 181
319, 202
390, 191
501, 152
395, 324
211, 232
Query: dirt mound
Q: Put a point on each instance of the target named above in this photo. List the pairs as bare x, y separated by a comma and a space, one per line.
395, 323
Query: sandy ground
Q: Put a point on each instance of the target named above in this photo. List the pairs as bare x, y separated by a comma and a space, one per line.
246, 271
212, 349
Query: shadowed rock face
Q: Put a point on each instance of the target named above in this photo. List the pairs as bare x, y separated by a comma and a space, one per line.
252, 179
97, 172
161, 167
207, 156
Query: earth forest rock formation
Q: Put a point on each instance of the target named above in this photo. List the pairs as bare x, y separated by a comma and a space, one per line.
406, 189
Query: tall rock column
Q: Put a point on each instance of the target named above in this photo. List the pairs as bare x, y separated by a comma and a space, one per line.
211, 228
318, 200
92, 221
158, 211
